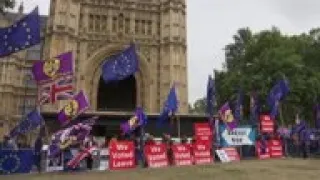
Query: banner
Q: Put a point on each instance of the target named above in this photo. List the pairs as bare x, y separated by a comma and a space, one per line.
266, 124
156, 155
262, 153
203, 133
20, 161
243, 135
275, 147
228, 154
181, 155
122, 155
202, 154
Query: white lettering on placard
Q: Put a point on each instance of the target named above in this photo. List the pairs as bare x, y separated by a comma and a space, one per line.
157, 157
181, 148
117, 164
202, 154
122, 155
122, 147
182, 155
203, 160
158, 164
183, 162
201, 147
155, 149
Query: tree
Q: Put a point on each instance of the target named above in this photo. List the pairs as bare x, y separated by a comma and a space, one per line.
257, 61
4, 4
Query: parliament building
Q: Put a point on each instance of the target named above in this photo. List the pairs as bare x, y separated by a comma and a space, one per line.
94, 30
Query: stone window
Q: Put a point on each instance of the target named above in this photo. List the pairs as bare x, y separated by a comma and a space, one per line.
127, 25
91, 22
120, 22
114, 24
104, 23
137, 26
143, 27
149, 27
97, 24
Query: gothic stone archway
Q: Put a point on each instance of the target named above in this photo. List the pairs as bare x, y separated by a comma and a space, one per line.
93, 74
117, 96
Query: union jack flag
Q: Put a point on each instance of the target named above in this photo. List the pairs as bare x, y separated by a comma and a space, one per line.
61, 89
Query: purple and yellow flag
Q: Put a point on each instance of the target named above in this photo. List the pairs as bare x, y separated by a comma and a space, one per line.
139, 119
226, 116
76, 106
48, 70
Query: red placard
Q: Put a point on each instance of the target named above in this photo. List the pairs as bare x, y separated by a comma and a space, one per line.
122, 155
266, 124
261, 155
201, 154
232, 153
181, 154
275, 147
156, 155
203, 133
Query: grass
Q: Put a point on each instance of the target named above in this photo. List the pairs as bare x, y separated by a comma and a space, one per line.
284, 169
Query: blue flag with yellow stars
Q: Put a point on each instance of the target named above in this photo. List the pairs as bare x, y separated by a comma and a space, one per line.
170, 107
12, 161
121, 66
31, 122
21, 34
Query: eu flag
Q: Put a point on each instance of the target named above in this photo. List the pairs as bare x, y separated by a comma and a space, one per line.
20, 161
238, 106
21, 35
31, 122
317, 116
121, 66
170, 106
210, 96
254, 108
277, 93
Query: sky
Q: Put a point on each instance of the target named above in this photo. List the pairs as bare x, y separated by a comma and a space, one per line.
212, 23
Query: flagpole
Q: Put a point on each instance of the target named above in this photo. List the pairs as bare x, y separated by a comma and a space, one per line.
281, 114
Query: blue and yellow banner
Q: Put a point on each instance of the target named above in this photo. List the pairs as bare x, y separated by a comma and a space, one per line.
16, 161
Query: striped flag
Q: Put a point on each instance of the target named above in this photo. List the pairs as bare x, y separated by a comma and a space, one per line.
60, 89
75, 161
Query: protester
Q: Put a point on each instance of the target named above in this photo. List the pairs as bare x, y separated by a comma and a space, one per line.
89, 142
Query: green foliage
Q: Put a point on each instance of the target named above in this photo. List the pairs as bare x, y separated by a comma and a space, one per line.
199, 106
257, 61
4, 4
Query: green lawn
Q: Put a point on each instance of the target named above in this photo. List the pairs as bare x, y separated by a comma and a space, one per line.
284, 169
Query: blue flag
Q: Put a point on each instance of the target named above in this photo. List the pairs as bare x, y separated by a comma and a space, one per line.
254, 108
210, 96
12, 161
170, 106
21, 35
317, 116
121, 66
31, 122
277, 93
238, 106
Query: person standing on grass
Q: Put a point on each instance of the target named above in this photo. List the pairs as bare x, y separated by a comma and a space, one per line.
89, 143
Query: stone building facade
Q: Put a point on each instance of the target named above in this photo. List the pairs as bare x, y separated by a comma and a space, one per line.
96, 29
